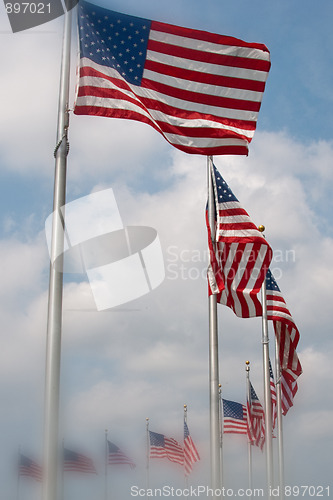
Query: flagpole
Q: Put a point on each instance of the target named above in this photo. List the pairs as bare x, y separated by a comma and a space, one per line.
54, 319
215, 462
267, 387
62, 472
249, 445
148, 446
279, 418
106, 465
221, 432
18, 474
185, 420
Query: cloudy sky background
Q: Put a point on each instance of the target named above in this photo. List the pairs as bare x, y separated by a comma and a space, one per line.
149, 357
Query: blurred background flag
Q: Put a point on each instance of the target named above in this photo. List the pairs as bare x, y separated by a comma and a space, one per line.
191, 454
161, 446
256, 420
29, 468
116, 456
234, 417
273, 395
77, 462
287, 336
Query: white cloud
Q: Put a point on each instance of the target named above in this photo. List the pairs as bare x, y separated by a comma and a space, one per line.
317, 424
29, 110
23, 267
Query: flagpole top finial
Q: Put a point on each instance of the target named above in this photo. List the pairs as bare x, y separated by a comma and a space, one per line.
247, 363
147, 419
261, 228
220, 386
185, 406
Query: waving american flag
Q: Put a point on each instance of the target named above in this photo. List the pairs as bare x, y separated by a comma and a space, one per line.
273, 395
29, 468
116, 456
287, 336
241, 257
234, 417
256, 419
162, 446
191, 454
77, 462
200, 90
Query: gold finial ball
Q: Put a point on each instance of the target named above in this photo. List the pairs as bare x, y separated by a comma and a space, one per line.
147, 419
247, 362
220, 386
261, 228
185, 406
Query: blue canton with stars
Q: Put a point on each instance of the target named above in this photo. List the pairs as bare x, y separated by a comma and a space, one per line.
232, 409
253, 394
113, 448
271, 283
115, 40
224, 192
156, 439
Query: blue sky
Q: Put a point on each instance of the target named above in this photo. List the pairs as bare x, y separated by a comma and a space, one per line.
150, 357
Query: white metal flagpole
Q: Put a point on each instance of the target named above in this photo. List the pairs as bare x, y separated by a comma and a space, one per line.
221, 417
62, 471
185, 421
249, 445
106, 465
147, 457
267, 388
54, 319
279, 419
215, 462
18, 474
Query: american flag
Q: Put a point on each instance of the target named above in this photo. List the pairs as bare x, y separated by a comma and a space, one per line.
116, 456
191, 454
288, 337
239, 264
256, 420
77, 462
273, 395
289, 388
29, 468
161, 446
200, 90
234, 417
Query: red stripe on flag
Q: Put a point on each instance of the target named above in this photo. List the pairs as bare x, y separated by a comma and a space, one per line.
205, 36
196, 76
